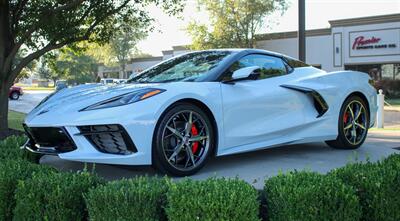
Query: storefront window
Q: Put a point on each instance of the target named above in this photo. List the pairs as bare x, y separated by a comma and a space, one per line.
378, 71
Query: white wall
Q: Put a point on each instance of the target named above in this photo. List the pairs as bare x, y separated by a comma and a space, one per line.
319, 49
371, 59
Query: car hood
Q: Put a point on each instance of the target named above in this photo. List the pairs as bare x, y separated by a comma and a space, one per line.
79, 97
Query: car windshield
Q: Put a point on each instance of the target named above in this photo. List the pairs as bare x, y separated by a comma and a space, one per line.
189, 67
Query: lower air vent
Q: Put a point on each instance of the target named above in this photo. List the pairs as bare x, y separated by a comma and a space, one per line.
49, 140
110, 138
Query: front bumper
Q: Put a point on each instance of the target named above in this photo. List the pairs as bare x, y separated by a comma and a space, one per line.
48, 140
95, 144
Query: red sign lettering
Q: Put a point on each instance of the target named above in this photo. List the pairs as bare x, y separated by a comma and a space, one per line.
360, 41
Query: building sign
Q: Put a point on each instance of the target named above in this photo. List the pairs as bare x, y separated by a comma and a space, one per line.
374, 43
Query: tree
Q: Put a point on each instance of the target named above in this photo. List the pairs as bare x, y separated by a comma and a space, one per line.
76, 67
55, 67
43, 71
233, 23
26, 71
124, 41
45, 25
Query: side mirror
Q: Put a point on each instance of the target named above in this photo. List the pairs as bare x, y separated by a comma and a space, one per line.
247, 73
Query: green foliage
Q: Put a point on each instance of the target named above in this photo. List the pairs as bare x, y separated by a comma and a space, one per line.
56, 196
310, 196
43, 71
26, 71
392, 161
41, 26
141, 198
71, 21
377, 186
126, 36
73, 66
233, 23
12, 171
10, 149
212, 199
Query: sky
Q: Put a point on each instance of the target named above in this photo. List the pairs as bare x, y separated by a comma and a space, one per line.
170, 30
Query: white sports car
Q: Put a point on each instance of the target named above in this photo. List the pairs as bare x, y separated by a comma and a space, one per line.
189, 108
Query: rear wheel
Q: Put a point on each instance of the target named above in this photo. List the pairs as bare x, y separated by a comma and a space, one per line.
183, 141
353, 124
14, 95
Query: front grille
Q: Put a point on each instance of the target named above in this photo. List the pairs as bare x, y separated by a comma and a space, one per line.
110, 138
55, 138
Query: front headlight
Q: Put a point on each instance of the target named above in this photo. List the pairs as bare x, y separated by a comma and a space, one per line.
125, 99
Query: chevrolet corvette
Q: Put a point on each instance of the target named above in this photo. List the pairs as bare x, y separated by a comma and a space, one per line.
183, 111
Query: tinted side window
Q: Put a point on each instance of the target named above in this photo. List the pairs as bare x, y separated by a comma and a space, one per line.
296, 63
270, 66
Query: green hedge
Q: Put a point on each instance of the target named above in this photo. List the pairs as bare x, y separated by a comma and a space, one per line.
310, 196
378, 187
12, 171
393, 161
56, 196
10, 149
138, 199
212, 199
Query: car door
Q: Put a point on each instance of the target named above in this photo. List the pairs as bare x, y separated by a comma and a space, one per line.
260, 110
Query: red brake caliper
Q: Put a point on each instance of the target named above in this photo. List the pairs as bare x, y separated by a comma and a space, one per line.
345, 117
195, 144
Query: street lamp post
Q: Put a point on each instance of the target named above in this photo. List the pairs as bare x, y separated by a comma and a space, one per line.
302, 31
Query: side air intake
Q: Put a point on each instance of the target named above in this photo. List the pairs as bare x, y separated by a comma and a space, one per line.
319, 103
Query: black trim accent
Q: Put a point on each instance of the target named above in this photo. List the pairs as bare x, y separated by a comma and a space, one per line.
48, 140
319, 102
111, 138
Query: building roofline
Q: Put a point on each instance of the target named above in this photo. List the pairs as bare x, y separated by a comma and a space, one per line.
158, 58
292, 34
365, 20
180, 47
167, 52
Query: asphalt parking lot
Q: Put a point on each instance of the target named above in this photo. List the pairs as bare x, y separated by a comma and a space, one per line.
253, 167
27, 101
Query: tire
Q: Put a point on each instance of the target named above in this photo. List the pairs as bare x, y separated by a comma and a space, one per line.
351, 133
175, 149
14, 96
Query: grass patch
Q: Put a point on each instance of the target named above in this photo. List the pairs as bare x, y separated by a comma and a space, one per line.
385, 129
38, 88
15, 120
394, 102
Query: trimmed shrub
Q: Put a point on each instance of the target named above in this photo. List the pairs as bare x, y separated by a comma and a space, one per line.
377, 185
12, 171
10, 149
212, 199
392, 161
141, 198
310, 196
56, 196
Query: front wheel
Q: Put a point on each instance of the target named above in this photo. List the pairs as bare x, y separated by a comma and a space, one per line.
183, 141
353, 124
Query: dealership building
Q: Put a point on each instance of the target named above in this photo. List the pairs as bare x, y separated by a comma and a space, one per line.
368, 44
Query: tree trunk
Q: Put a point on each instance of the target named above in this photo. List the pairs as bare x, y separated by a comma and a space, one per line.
5, 70
4, 88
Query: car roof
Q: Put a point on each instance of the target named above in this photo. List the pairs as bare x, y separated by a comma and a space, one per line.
244, 51
237, 53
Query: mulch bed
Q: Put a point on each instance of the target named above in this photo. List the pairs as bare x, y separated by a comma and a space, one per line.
10, 132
